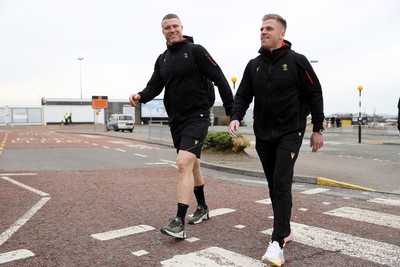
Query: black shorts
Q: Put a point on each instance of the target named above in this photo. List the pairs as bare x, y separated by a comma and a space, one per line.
189, 135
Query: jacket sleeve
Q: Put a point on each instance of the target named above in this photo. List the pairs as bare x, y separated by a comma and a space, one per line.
209, 68
154, 86
244, 95
398, 115
312, 92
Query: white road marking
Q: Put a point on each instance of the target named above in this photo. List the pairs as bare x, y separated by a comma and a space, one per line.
218, 212
212, 257
168, 161
119, 142
105, 147
240, 226
354, 246
393, 202
221, 211
303, 209
21, 221
140, 155
120, 150
140, 253
94, 144
264, 201
315, 191
368, 216
142, 147
250, 181
43, 194
122, 232
15, 255
17, 174
91, 136
192, 239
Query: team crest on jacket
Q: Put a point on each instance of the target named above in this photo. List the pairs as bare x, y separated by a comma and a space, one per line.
185, 55
284, 67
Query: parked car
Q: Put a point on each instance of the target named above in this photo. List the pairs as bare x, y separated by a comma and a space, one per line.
121, 122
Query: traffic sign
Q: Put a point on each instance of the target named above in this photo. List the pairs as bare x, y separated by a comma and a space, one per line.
99, 102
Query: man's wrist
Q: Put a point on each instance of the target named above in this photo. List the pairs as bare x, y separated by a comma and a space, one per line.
320, 131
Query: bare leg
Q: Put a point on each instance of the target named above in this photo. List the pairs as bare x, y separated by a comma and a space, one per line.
198, 176
186, 162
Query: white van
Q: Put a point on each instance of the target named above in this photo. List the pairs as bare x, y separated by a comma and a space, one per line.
121, 122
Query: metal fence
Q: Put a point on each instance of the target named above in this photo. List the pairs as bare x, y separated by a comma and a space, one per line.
21, 115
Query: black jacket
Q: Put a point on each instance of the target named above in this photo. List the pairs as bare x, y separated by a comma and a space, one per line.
285, 89
183, 79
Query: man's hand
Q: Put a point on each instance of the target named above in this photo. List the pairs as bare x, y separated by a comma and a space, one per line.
134, 99
234, 128
316, 141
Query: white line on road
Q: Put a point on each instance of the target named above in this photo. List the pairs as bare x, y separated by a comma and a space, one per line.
369, 216
169, 161
393, 202
122, 232
15, 255
218, 212
43, 194
18, 174
250, 181
315, 191
21, 221
367, 249
120, 150
266, 201
105, 146
140, 155
212, 256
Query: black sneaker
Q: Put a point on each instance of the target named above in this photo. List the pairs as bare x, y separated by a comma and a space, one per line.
199, 215
175, 228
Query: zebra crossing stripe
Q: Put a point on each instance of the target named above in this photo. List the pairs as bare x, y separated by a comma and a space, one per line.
217, 212
369, 216
15, 255
393, 202
122, 232
315, 191
354, 246
212, 256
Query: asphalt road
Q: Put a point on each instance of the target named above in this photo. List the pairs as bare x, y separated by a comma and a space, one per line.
94, 200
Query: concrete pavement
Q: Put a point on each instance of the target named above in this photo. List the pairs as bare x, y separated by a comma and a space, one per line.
315, 168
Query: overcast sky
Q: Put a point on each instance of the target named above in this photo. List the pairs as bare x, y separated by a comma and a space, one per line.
356, 42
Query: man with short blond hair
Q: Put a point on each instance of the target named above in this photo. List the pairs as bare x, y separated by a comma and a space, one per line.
185, 70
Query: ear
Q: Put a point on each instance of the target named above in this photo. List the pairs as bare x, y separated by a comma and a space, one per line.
282, 35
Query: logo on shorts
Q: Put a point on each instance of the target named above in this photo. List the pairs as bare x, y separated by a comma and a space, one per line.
196, 142
292, 154
284, 67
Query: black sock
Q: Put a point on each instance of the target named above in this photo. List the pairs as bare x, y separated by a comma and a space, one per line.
181, 213
199, 193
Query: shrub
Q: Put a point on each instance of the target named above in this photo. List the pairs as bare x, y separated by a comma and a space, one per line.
223, 141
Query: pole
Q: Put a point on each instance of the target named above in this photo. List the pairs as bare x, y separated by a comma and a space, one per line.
359, 114
80, 69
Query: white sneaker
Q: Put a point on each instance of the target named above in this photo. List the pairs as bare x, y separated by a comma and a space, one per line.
273, 255
289, 238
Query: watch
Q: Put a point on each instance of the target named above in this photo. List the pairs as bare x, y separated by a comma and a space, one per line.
321, 131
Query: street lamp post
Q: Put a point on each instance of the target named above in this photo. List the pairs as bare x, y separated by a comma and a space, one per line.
359, 113
234, 80
80, 68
